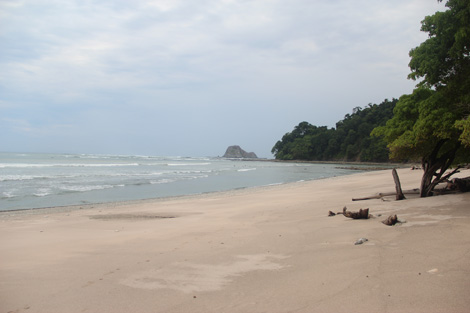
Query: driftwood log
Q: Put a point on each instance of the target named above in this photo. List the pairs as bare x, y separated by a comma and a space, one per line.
391, 220
399, 193
362, 214
459, 184
385, 194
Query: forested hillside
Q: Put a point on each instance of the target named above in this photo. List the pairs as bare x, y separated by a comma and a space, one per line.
349, 141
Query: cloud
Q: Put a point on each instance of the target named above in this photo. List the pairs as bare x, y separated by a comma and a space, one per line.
285, 61
25, 126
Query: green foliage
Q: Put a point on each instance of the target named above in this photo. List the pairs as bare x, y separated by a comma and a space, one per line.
432, 123
438, 108
464, 127
443, 63
302, 142
445, 55
400, 131
349, 141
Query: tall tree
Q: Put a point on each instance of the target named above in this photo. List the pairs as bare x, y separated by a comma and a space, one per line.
432, 123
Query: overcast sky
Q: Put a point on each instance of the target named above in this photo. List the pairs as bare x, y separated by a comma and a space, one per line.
191, 77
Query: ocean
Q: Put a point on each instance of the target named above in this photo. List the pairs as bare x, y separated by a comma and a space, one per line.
29, 180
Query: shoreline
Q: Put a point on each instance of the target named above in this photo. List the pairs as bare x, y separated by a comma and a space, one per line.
142, 179
84, 206
261, 249
162, 198
385, 164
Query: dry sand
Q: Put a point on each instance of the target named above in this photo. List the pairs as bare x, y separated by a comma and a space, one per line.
270, 249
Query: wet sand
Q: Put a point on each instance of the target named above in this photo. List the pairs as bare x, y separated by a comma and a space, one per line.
269, 249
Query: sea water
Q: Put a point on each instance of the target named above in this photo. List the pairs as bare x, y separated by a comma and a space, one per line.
47, 180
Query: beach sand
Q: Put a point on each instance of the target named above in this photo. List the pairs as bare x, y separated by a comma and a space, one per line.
267, 249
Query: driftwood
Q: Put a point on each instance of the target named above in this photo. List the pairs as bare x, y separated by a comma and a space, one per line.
362, 214
384, 194
391, 220
398, 191
455, 185
400, 195
459, 184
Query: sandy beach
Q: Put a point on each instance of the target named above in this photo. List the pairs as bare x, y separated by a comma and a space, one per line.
267, 249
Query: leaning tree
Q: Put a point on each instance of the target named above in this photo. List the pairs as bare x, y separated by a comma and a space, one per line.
433, 122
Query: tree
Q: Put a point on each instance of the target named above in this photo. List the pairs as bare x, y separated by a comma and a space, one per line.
350, 140
432, 123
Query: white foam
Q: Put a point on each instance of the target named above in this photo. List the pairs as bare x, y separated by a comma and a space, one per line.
17, 177
188, 164
42, 192
85, 188
162, 181
38, 165
8, 194
246, 169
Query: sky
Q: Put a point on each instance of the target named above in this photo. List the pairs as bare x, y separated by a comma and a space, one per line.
190, 78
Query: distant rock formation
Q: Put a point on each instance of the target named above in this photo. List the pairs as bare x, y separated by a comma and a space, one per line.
235, 152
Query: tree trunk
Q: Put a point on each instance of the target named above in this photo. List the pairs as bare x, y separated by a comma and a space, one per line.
426, 187
400, 195
432, 164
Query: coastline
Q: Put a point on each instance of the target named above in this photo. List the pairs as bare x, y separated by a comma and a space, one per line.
376, 164
49, 180
137, 202
260, 249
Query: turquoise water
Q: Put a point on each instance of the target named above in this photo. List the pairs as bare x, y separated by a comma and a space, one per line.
46, 180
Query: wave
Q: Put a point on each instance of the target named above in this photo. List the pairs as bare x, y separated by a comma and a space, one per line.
192, 172
93, 176
8, 195
162, 181
274, 184
42, 192
8, 178
5, 178
83, 188
188, 164
36, 165
180, 178
246, 169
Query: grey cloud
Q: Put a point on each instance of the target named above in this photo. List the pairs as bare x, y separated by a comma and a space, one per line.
272, 63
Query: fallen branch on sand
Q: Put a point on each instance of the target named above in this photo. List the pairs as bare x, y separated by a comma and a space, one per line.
459, 184
362, 214
385, 194
399, 193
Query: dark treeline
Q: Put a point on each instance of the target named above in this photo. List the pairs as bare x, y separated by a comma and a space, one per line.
349, 141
